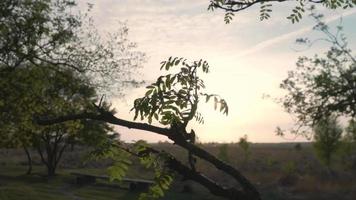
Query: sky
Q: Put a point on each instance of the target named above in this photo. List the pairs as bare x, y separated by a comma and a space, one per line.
248, 59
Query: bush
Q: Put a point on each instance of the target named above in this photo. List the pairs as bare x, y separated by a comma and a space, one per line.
327, 136
223, 152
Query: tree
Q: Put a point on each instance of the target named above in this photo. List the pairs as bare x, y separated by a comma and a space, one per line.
233, 6
298, 147
52, 141
51, 34
48, 35
322, 85
245, 146
223, 153
56, 92
347, 149
173, 102
327, 136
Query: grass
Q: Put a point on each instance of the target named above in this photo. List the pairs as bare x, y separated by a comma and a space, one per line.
264, 168
14, 185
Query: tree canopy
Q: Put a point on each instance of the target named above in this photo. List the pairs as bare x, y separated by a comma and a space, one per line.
322, 85
55, 93
54, 61
51, 34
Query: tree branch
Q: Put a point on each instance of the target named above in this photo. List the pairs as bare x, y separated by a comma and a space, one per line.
173, 134
106, 117
188, 173
239, 5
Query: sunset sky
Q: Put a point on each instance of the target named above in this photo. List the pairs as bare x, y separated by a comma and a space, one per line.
248, 58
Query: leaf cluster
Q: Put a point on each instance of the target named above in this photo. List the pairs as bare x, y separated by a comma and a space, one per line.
163, 176
297, 12
174, 98
110, 149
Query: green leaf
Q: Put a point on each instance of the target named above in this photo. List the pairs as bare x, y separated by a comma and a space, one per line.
148, 92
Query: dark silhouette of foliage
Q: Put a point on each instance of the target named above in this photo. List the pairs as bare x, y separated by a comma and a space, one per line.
298, 147
43, 41
327, 138
55, 93
51, 34
245, 146
223, 153
233, 6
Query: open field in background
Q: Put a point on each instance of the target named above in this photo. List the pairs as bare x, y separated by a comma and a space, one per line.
278, 170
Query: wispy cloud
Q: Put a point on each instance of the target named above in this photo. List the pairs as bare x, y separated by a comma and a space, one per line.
263, 45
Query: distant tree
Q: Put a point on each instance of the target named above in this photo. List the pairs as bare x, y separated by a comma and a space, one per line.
223, 153
298, 147
245, 146
233, 6
327, 138
322, 85
348, 146
52, 141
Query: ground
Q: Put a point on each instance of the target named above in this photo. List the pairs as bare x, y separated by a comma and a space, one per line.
280, 171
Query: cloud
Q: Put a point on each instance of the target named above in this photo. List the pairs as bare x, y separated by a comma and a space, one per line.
293, 34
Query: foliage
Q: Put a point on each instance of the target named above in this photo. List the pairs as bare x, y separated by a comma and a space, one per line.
245, 146
108, 149
347, 148
52, 59
174, 98
56, 92
232, 6
346, 154
223, 153
327, 136
163, 176
121, 155
322, 85
51, 34
27, 26
270, 162
289, 168
351, 131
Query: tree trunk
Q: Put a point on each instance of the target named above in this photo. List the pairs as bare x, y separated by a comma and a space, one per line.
29, 160
51, 170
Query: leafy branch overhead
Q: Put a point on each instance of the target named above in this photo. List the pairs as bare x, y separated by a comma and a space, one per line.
149, 158
174, 98
233, 6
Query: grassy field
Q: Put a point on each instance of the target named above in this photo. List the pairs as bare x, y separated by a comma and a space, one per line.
278, 170
14, 185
